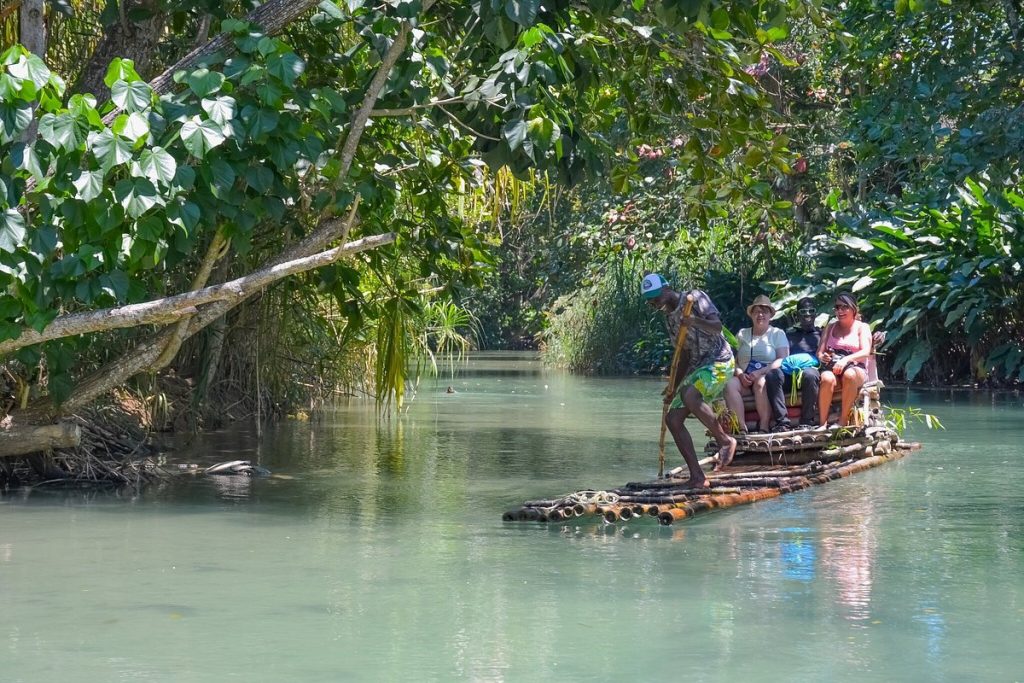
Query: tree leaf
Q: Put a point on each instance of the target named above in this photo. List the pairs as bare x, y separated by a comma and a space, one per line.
61, 130
922, 352
514, 133
30, 68
862, 283
204, 82
14, 119
121, 70
89, 185
109, 149
288, 67
12, 230
220, 109
259, 178
158, 165
858, 243
523, 12
137, 196
184, 214
131, 96
131, 126
200, 136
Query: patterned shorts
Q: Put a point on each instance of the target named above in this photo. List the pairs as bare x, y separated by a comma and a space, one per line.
709, 380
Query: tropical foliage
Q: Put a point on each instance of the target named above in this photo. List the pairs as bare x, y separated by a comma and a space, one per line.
305, 124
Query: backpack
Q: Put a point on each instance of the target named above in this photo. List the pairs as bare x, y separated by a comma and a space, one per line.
798, 361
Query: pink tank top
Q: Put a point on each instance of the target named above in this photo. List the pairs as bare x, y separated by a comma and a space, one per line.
849, 342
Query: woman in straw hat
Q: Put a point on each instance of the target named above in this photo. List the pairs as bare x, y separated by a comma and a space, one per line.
758, 368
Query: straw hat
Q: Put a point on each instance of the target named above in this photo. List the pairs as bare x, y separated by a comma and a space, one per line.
761, 300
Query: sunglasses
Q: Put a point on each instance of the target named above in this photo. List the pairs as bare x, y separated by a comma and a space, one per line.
842, 307
806, 311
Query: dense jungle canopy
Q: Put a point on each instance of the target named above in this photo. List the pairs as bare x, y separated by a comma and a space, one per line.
267, 204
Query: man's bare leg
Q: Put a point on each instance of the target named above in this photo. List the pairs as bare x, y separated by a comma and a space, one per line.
674, 421
703, 412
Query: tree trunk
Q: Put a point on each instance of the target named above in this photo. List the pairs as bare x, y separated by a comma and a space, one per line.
17, 440
33, 27
209, 361
33, 37
135, 40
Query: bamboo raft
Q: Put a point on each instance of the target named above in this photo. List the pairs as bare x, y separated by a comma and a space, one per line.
766, 466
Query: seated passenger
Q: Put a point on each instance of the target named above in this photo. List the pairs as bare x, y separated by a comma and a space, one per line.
758, 359
843, 352
805, 338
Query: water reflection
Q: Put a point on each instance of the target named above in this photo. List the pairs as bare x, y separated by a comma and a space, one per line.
798, 554
848, 557
383, 557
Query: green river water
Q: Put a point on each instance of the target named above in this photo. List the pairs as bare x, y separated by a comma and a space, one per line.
384, 558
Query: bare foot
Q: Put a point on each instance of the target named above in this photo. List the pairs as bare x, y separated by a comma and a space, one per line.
725, 454
692, 483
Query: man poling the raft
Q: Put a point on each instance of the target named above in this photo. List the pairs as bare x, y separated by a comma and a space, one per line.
702, 367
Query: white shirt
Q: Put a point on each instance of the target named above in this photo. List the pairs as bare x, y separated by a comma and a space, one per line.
761, 348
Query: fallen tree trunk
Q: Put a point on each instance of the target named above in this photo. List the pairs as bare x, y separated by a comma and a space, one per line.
18, 440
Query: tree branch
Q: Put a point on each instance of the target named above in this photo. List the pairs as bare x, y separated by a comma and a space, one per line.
170, 309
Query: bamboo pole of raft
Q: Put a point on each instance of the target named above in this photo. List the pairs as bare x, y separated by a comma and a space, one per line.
670, 390
669, 504
690, 508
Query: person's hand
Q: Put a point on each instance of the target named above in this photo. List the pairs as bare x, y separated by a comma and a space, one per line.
825, 359
838, 367
746, 380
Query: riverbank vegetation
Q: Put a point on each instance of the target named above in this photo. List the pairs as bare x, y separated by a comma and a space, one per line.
902, 183
231, 209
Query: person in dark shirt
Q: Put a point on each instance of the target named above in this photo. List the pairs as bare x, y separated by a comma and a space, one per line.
804, 338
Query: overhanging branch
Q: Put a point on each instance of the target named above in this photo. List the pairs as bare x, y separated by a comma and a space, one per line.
170, 309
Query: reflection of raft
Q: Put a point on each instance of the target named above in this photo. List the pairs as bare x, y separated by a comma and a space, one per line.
766, 466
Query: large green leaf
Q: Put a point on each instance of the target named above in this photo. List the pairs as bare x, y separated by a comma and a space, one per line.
109, 149
89, 185
204, 82
158, 165
61, 130
14, 119
200, 136
131, 96
131, 126
514, 133
31, 68
12, 230
121, 70
523, 12
137, 196
220, 109
288, 67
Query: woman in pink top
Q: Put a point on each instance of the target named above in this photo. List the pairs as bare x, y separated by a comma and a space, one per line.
843, 353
